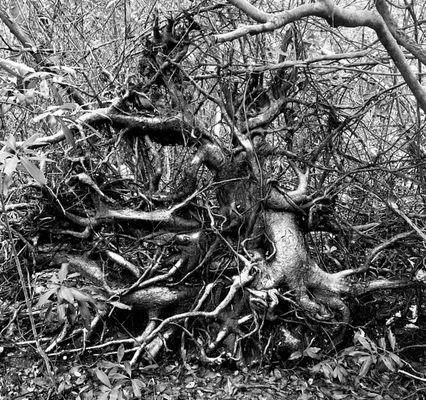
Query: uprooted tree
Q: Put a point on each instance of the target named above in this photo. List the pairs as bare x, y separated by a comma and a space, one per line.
192, 190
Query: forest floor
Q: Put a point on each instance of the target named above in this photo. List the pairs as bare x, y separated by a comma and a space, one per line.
107, 376
23, 377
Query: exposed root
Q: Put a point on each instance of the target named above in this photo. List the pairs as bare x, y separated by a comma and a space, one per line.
165, 220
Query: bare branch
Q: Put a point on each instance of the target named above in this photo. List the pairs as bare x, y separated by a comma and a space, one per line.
18, 32
335, 16
269, 22
313, 60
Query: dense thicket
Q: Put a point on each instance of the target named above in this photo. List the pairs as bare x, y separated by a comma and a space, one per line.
249, 182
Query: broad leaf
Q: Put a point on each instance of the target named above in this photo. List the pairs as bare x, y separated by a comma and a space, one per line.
116, 377
62, 311
82, 297
365, 367
389, 363
102, 376
34, 171
66, 294
137, 385
127, 368
27, 143
11, 142
63, 272
312, 352
392, 339
120, 353
295, 355
44, 298
396, 359
10, 165
120, 305
85, 314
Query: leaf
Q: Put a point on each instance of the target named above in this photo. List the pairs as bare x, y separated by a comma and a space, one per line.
127, 367
85, 314
10, 165
295, 355
34, 171
66, 294
71, 313
357, 353
338, 395
102, 376
41, 116
61, 387
327, 370
44, 89
111, 3
390, 365
116, 377
365, 367
11, 142
38, 74
56, 94
82, 297
29, 96
62, 311
312, 352
396, 359
108, 364
4, 154
137, 385
316, 368
21, 98
392, 339
192, 384
67, 133
31, 85
120, 353
115, 393
365, 343
44, 298
65, 69
341, 373
105, 395
63, 272
5, 182
119, 305
69, 106
27, 143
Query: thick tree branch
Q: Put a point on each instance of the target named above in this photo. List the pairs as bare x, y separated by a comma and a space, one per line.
161, 216
19, 33
273, 110
401, 37
269, 22
165, 130
279, 199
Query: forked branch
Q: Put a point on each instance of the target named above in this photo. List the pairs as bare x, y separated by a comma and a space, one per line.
279, 199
